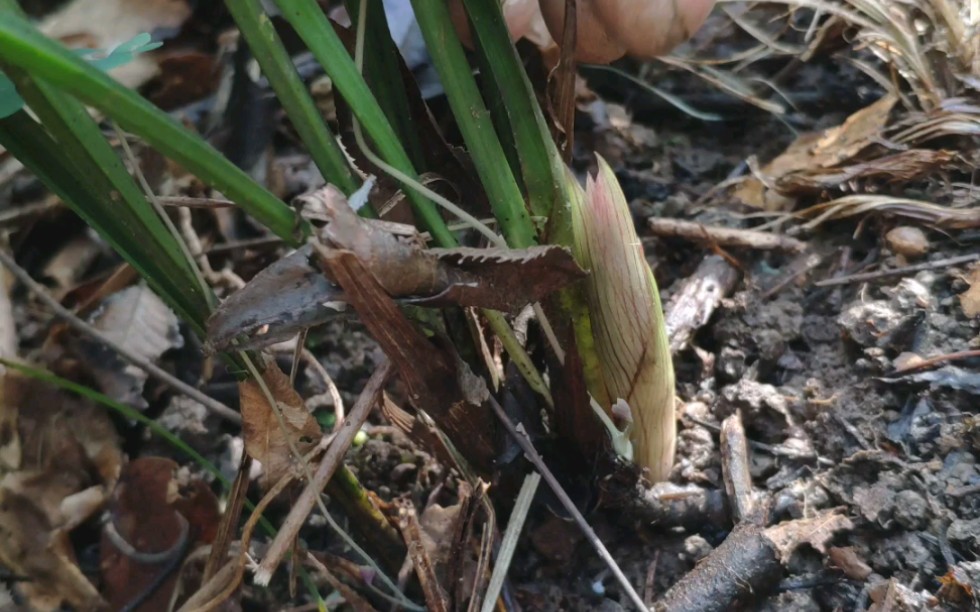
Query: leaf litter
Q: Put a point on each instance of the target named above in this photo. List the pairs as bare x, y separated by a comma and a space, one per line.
805, 376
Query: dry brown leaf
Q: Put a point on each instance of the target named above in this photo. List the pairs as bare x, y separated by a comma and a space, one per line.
862, 129
153, 512
439, 527
103, 24
60, 458
500, 279
433, 376
813, 151
970, 299
849, 562
265, 440
32, 547
139, 320
903, 167
279, 302
816, 531
944, 217
757, 191
291, 294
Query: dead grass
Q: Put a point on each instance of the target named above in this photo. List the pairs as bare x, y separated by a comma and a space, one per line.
925, 56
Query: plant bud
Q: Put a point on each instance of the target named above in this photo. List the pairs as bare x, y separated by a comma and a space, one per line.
630, 340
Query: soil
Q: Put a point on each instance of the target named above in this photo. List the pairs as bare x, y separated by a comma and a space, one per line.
807, 368
810, 370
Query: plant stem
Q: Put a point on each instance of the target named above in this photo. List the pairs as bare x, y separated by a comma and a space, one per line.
312, 25
384, 76
541, 164
268, 49
473, 120
23, 46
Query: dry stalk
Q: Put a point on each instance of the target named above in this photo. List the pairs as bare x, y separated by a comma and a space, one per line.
328, 465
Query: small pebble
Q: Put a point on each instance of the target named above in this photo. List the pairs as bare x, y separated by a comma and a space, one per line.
907, 360
911, 510
907, 241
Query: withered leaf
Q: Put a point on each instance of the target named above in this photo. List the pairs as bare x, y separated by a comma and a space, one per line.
292, 294
265, 440
902, 167
970, 299
503, 279
847, 560
832, 147
862, 129
279, 302
61, 455
153, 512
816, 531
138, 319
32, 547
499, 279
432, 374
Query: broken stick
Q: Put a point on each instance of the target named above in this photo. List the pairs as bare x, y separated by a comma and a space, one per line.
692, 305
724, 236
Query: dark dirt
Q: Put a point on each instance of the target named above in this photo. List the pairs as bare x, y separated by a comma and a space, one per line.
809, 369
806, 368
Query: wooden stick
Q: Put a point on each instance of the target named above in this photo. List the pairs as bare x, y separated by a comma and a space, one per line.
869, 276
724, 236
590, 535
332, 459
735, 470
693, 304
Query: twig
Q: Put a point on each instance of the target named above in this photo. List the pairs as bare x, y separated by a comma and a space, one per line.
247, 243
509, 542
8, 331
488, 534
735, 470
567, 502
352, 597
724, 236
189, 202
151, 368
668, 505
332, 390
651, 578
749, 563
408, 524
869, 276
328, 465
229, 520
693, 304
9, 217
801, 264
745, 563
932, 362
224, 582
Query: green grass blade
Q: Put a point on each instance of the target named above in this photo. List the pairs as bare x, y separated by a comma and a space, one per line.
382, 69
21, 45
277, 66
540, 160
122, 410
81, 167
311, 24
474, 122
